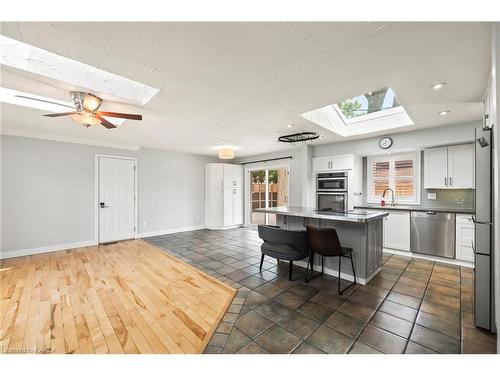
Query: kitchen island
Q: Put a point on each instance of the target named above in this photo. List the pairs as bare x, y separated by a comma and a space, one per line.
360, 230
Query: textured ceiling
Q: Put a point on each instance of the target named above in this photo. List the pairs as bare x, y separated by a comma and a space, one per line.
240, 84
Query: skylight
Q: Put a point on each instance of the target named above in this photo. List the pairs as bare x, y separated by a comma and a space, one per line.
39, 61
371, 102
371, 112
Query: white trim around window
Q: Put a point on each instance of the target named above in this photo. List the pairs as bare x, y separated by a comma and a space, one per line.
392, 178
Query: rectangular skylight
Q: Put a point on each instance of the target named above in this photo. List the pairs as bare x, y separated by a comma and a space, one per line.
43, 103
366, 104
374, 111
39, 61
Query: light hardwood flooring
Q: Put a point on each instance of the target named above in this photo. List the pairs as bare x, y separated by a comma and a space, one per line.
125, 298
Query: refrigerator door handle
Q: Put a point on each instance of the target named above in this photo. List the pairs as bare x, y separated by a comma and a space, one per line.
481, 222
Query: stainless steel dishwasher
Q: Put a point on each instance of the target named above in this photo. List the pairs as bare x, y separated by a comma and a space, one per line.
433, 233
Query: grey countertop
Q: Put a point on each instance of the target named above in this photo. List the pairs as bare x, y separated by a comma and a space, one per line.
355, 216
456, 210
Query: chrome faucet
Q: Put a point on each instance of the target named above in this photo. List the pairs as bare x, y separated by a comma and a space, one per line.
392, 195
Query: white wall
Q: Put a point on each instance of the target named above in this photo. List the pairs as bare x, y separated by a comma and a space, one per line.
403, 141
171, 190
47, 192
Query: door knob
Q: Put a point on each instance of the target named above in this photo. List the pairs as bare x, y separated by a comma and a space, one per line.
103, 205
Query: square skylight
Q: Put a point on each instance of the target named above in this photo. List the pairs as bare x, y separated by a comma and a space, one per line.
370, 112
365, 105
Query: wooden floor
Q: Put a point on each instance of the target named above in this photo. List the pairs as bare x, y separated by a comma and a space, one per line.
124, 298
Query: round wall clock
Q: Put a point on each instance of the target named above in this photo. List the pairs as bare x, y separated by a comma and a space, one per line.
385, 142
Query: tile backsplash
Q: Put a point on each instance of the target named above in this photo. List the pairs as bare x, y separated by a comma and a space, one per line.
460, 198
445, 198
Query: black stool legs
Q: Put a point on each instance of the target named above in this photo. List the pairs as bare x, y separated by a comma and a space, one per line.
353, 273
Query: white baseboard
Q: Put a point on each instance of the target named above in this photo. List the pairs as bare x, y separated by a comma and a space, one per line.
225, 228
170, 231
455, 262
45, 249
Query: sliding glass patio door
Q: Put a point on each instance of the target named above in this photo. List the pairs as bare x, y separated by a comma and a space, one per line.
268, 187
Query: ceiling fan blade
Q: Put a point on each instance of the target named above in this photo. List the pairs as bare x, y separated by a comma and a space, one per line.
44, 101
61, 114
105, 122
128, 116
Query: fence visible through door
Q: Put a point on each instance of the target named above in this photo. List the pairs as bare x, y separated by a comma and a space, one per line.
116, 198
268, 188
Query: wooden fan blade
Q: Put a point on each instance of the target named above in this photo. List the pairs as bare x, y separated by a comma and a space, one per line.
105, 122
128, 116
61, 114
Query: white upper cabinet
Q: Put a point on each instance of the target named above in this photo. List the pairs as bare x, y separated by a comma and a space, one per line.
321, 164
436, 168
224, 175
233, 175
461, 167
449, 167
333, 163
214, 174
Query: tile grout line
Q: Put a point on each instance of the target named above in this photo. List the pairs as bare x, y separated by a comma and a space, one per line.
383, 300
418, 310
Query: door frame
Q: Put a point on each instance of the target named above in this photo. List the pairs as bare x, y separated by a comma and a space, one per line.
256, 167
96, 193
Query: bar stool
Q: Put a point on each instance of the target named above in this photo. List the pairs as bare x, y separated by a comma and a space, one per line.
325, 242
283, 244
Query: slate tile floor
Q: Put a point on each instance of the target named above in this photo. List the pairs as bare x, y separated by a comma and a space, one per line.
411, 306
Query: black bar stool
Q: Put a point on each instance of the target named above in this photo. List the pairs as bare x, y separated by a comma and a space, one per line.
283, 244
325, 242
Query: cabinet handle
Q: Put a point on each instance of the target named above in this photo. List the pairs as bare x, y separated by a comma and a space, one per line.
445, 181
451, 181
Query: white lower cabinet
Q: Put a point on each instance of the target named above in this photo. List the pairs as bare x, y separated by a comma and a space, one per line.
397, 230
223, 207
464, 237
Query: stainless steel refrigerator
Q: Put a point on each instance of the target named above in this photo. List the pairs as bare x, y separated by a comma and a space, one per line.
484, 309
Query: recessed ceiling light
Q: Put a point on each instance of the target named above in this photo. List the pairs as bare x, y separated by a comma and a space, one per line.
289, 126
438, 86
444, 113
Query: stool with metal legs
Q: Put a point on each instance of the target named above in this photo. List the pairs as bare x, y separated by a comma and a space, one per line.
325, 242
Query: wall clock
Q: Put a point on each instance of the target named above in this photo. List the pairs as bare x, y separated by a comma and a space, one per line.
385, 143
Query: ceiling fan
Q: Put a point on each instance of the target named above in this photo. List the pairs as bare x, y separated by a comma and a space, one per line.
87, 110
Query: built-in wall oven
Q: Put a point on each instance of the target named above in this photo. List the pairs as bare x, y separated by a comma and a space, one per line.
330, 182
331, 192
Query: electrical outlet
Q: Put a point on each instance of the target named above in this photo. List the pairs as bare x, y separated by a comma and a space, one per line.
145, 224
431, 196
197, 219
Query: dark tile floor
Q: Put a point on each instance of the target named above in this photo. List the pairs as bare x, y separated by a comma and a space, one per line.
411, 306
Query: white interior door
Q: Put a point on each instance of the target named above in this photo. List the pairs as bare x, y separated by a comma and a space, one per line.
116, 199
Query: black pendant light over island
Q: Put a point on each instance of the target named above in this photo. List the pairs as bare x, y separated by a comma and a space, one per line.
299, 137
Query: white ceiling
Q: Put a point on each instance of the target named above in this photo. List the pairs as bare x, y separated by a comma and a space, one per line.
240, 84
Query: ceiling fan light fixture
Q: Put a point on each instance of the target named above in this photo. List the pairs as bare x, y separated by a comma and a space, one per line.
226, 153
86, 119
91, 102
